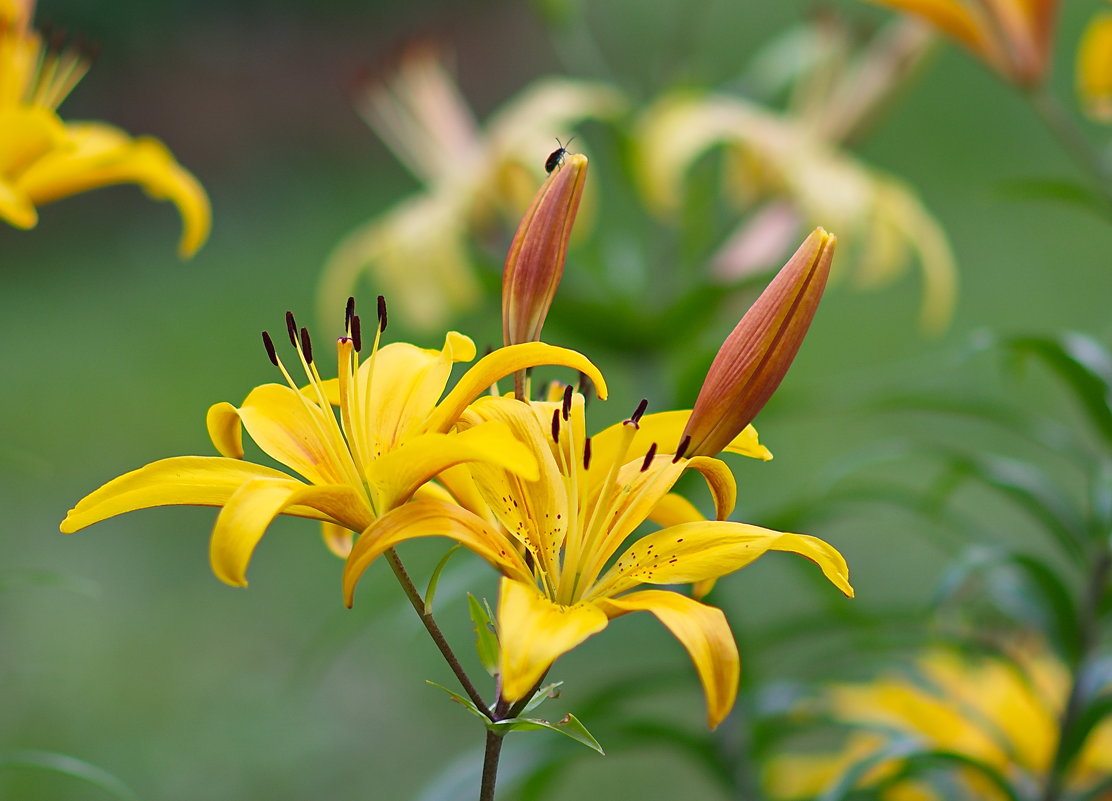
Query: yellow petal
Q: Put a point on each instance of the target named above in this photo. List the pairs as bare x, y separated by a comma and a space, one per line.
398, 474
27, 133
225, 429
1094, 67
16, 208
296, 432
183, 480
533, 632
337, 538
98, 155
693, 552
251, 509
501, 363
666, 429
425, 518
672, 510
705, 634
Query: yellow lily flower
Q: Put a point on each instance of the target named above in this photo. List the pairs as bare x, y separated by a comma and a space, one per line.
560, 540
394, 433
986, 709
472, 175
1014, 37
43, 158
1094, 67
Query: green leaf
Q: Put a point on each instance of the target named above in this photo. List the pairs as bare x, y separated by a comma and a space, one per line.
430, 593
486, 641
569, 726
466, 702
542, 695
1083, 365
1061, 190
68, 766
1093, 714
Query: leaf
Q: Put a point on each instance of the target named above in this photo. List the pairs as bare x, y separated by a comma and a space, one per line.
1057, 189
430, 593
1091, 716
486, 641
542, 695
68, 766
1083, 365
569, 726
466, 702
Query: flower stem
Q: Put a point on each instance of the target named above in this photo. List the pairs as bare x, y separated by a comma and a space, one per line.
438, 637
1089, 628
492, 753
1073, 141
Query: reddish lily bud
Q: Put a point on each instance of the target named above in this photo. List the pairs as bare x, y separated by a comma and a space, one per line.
756, 355
535, 262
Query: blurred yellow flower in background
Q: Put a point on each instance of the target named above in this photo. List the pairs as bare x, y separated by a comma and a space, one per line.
1094, 67
789, 169
394, 434
43, 158
1002, 713
1013, 37
418, 251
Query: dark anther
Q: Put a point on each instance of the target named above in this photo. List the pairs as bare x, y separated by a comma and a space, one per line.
585, 388
682, 449
291, 328
349, 312
567, 401
555, 425
635, 418
587, 453
381, 313
306, 346
488, 350
648, 458
268, 343
356, 336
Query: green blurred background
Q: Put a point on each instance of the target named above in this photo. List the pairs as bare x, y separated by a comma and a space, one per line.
121, 648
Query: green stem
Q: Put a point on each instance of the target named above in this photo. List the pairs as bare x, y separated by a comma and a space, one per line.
1088, 624
1072, 140
493, 752
437, 635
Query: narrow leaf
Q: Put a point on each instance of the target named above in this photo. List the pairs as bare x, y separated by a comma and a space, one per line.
68, 766
569, 727
486, 642
463, 700
430, 593
543, 694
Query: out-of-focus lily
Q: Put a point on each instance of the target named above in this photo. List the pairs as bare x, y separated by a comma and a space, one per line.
788, 167
1014, 37
1094, 67
43, 158
394, 433
1002, 714
565, 543
419, 250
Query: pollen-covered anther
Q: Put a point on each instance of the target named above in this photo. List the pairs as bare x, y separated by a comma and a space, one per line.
349, 312
685, 443
556, 425
268, 343
356, 334
381, 314
587, 453
645, 465
639, 412
306, 345
566, 409
291, 328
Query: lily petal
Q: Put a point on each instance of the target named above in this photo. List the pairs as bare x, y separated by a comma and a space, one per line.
182, 480
337, 538
26, 134
691, 552
425, 518
665, 429
99, 155
253, 507
705, 634
225, 429
1094, 67
533, 632
499, 364
399, 473
955, 19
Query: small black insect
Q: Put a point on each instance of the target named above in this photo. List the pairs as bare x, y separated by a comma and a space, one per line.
557, 156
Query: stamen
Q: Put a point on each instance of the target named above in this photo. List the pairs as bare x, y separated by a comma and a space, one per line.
585, 388
567, 402
268, 343
682, 449
291, 328
356, 335
648, 458
635, 418
381, 314
349, 312
556, 425
306, 346
587, 453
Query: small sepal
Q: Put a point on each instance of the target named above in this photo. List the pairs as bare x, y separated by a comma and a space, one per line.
569, 726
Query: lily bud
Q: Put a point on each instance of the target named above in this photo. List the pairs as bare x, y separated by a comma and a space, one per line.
756, 355
535, 262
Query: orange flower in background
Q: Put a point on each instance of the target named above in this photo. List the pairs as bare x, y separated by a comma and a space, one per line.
1014, 37
43, 158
